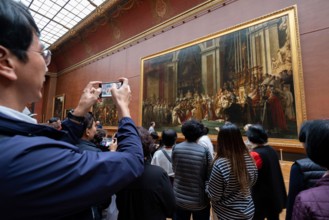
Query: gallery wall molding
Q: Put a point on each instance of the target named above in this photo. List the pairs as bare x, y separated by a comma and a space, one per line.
52, 74
185, 17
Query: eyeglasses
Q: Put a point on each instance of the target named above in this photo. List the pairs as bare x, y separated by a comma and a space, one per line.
46, 54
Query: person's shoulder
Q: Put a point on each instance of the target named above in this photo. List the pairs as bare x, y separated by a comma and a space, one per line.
263, 149
157, 153
220, 162
154, 169
315, 194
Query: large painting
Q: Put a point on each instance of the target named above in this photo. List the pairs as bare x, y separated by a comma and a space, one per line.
250, 73
106, 112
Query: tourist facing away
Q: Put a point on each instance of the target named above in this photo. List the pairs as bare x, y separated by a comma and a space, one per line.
192, 167
233, 174
304, 174
162, 157
313, 203
269, 192
149, 197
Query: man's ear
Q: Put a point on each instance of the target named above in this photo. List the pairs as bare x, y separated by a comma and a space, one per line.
7, 60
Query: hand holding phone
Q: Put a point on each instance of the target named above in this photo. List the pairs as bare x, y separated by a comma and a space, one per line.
106, 88
114, 143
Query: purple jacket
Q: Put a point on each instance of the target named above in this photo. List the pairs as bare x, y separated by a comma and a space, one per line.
314, 202
44, 176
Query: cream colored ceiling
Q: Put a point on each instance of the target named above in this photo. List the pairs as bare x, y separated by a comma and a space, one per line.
56, 18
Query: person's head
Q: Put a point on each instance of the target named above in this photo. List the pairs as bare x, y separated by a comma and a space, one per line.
303, 131
230, 145
90, 124
317, 142
169, 137
229, 140
55, 122
154, 135
53, 119
22, 57
98, 137
205, 130
152, 124
192, 130
147, 142
256, 134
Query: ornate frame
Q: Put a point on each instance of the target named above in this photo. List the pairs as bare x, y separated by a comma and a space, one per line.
228, 70
58, 106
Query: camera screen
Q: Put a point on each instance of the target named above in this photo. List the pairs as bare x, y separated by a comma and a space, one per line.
106, 88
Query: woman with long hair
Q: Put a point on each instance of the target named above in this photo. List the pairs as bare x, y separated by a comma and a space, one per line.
232, 176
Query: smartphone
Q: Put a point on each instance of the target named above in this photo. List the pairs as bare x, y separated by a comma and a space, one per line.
106, 88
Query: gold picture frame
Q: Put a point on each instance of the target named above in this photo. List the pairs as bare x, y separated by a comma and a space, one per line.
249, 73
58, 106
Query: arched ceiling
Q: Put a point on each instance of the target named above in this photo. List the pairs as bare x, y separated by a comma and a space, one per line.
58, 19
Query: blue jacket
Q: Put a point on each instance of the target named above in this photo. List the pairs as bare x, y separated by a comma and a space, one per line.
44, 176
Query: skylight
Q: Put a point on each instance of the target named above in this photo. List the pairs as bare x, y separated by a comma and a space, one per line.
56, 17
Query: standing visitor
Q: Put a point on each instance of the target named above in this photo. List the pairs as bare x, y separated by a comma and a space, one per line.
269, 192
232, 176
192, 167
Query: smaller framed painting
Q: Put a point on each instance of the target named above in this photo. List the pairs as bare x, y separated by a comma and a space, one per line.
58, 106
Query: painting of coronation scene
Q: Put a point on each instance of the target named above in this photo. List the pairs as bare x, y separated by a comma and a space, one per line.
245, 76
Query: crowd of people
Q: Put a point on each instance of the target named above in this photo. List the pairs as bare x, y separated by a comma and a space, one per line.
58, 171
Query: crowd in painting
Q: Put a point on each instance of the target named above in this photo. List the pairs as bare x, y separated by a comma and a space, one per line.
73, 169
246, 98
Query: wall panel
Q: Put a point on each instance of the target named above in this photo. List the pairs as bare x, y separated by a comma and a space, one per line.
313, 24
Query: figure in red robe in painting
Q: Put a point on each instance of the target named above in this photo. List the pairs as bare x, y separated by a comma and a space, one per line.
277, 113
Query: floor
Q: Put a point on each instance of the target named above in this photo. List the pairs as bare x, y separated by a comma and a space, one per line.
285, 166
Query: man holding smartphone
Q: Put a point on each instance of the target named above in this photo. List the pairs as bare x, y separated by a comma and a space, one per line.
43, 175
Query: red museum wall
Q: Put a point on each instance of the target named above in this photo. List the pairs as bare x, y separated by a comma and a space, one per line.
314, 41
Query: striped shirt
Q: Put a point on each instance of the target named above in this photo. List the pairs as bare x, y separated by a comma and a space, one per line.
228, 201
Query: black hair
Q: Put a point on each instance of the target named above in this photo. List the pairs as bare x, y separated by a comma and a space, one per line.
205, 130
53, 119
230, 145
256, 134
192, 130
17, 27
154, 135
303, 131
88, 120
168, 137
317, 142
147, 142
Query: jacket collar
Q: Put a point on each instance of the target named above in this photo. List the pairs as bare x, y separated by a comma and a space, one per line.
11, 126
17, 115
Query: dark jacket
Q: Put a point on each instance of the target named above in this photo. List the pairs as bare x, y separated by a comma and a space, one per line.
94, 212
192, 167
304, 174
87, 145
314, 202
44, 178
269, 192
150, 197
